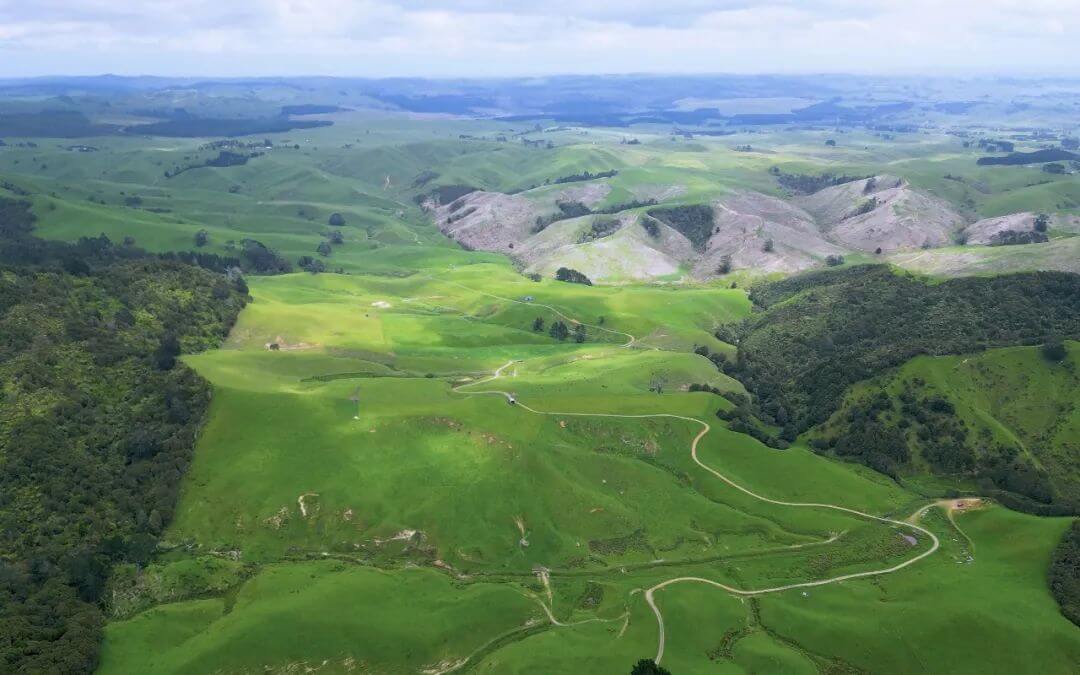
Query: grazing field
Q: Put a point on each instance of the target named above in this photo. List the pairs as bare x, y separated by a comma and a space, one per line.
429, 455
393, 516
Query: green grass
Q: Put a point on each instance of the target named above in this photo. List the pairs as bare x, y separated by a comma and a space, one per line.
348, 511
328, 614
418, 475
1012, 397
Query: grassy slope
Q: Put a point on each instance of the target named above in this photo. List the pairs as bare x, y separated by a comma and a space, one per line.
461, 469
600, 501
1011, 396
366, 168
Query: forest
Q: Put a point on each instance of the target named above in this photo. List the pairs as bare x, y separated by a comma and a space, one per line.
100, 424
817, 334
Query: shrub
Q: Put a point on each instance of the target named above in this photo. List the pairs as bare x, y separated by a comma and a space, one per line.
1054, 351
725, 265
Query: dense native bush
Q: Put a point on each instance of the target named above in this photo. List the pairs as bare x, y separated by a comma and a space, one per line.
821, 332
693, 221
585, 175
801, 183
571, 276
1034, 157
1065, 573
1015, 237
817, 334
600, 228
100, 424
258, 258
196, 127
574, 209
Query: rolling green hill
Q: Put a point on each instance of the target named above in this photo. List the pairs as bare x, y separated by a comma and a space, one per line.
1006, 417
432, 459
361, 479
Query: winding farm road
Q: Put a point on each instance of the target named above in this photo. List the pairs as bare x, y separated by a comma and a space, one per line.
650, 593
705, 428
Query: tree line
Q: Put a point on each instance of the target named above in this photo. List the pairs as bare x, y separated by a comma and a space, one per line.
100, 423
815, 335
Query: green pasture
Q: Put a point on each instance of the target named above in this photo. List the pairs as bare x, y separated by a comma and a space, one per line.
364, 497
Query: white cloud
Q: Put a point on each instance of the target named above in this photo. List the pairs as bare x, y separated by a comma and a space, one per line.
486, 37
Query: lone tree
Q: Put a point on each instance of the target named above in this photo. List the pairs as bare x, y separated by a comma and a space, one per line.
1042, 221
767, 246
538, 324
725, 265
202, 237
335, 237
834, 260
579, 333
323, 248
648, 667
336, 219
559, 331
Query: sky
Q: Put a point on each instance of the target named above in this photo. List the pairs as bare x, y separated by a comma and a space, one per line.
441, 38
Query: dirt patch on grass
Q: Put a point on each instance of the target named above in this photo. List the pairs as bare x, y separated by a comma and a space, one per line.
279, 519
308, 503
281, 344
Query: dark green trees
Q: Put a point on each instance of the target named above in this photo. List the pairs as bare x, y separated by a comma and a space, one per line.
571, 276
1065, 574
648, 667
1054, 350
309, 264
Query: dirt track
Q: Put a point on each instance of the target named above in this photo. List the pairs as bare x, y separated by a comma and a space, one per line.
650, 593
705, 428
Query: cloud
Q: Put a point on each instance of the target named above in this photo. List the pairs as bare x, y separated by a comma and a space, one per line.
487, 37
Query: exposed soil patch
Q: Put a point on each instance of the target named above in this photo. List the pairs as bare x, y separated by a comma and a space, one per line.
882, 212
